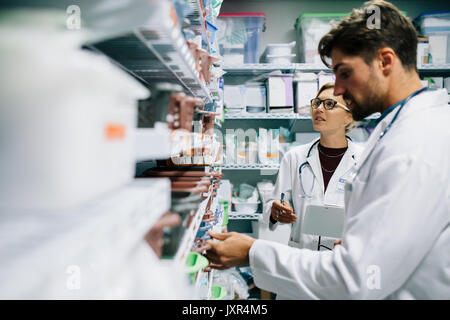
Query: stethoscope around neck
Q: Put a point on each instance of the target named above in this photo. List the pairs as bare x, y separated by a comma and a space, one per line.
302, 168
388, 127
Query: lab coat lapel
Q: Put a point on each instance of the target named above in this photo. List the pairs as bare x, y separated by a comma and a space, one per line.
347, 162
345, 165
314, 162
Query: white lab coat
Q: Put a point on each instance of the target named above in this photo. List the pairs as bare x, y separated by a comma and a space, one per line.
397, 235
288, 182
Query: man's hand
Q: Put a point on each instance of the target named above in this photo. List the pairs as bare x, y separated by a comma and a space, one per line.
232, 251
282, 212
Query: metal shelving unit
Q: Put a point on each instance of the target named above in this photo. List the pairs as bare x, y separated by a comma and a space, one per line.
156, 52
254, 166
240, 216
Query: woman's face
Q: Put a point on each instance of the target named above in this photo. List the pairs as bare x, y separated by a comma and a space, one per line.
333, 120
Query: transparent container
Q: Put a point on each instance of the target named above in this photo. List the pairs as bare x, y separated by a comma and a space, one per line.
239, 36
310, 28
436, 26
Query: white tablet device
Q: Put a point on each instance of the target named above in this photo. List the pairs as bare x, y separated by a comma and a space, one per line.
324, 221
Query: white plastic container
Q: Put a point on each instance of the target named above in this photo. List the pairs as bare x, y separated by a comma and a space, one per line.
246, 207
280, 59
436, 26
306, 87
67, 116
280, 49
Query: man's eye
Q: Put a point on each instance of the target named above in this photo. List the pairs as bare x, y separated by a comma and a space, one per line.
345, 74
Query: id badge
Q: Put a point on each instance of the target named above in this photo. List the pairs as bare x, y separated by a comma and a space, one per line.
341, 185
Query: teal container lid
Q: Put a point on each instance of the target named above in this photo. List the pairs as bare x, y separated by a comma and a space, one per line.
217, 293
195, 262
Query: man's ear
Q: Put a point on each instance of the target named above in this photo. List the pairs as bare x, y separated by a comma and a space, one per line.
386, 59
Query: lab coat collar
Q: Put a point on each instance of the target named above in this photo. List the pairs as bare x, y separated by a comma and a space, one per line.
346, 163
427, 99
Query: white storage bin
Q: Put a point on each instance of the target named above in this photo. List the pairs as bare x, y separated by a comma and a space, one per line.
306, 87
436, 26
246, 207
67, 119
280, 49
280, 59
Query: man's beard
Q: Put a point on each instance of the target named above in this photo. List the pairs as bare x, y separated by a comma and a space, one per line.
373, 102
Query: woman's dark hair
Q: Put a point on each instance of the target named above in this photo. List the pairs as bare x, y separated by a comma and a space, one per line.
356, 36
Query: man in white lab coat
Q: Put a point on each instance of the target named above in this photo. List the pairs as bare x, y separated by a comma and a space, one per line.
397, 235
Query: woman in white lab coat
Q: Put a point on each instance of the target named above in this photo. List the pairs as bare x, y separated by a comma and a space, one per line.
315, 173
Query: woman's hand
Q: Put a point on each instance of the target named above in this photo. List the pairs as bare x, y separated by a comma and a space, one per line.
282, 212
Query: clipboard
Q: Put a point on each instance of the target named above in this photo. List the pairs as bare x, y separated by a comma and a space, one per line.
324, 221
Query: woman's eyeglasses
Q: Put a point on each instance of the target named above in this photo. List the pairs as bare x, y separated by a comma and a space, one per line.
327, 104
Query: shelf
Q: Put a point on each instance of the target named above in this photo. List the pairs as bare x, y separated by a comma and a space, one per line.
189, 235
99, 237
257, 68
198, 22
255, 166
260, 68
241, 216
155, 51
264, 115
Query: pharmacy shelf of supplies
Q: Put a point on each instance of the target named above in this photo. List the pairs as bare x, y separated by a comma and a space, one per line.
254, 166
156, 53
434, 70
198, 21
243, 216
256, 68
189, 235
98, 236
264, 115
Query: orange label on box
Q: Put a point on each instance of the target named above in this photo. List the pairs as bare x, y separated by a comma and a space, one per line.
173, 16
272, 155
115, 131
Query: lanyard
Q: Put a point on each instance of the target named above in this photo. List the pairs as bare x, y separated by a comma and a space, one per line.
402, 104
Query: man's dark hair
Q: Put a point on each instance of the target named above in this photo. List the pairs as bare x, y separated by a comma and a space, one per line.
353, 37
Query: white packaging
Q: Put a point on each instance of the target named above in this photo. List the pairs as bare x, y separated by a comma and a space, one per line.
230, 148
262, 146
423, 50
252, 152
255, 96
438, 48
280, 91
306, 90
68, 118
273, 149
234, 96
240, 157
325, 78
